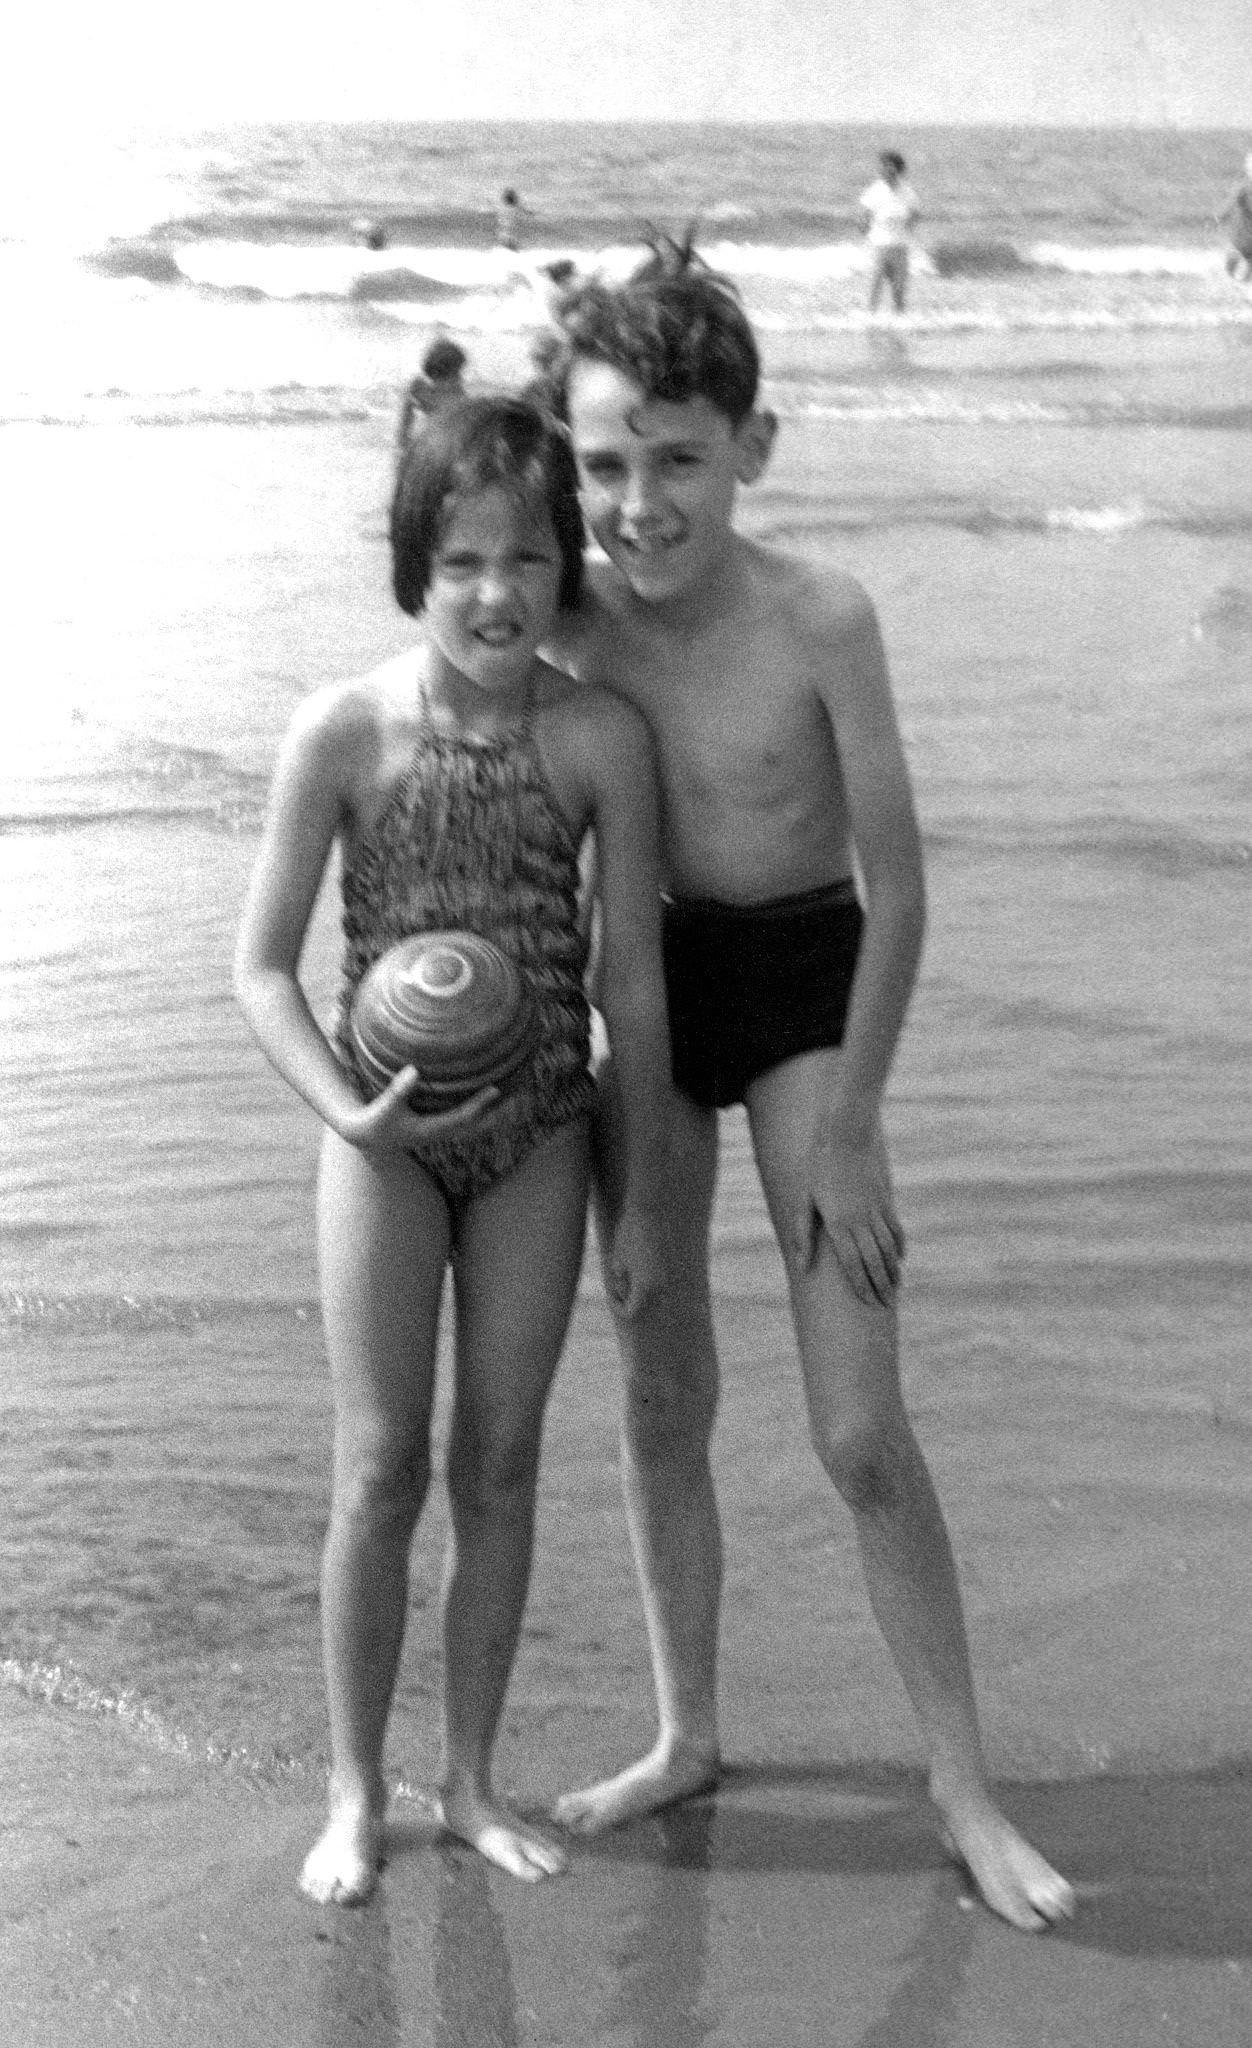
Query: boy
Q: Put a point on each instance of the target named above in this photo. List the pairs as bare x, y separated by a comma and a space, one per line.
889, 210
765, 686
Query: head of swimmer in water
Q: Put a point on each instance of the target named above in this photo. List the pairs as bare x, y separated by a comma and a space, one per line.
483, 444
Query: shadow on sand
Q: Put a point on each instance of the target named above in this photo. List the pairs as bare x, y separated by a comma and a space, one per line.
1161, 1865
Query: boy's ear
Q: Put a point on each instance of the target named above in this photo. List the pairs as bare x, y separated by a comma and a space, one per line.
756, 441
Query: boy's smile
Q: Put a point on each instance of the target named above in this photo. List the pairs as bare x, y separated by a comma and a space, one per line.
659, 478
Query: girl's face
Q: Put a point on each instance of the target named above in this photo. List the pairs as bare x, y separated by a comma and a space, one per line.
492, 595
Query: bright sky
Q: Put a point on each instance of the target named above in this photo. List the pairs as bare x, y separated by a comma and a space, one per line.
1183, 62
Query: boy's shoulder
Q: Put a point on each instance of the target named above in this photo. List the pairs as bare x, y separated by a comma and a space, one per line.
767, 583
815, 602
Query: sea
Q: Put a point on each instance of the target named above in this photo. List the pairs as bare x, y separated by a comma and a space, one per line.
1042, 472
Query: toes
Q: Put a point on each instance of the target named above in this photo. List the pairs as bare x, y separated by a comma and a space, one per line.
578, 1820
1056, 1901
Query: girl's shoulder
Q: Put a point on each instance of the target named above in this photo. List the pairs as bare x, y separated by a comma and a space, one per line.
353, 733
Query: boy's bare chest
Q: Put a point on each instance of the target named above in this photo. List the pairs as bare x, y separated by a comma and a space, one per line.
736, 714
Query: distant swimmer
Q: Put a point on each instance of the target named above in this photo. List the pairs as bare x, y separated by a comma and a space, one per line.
440, 382
510, 213
889, 208
1236, 218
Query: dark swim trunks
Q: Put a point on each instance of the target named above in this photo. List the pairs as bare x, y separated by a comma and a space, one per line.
751, 985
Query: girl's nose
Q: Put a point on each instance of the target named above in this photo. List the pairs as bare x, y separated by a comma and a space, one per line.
495, 584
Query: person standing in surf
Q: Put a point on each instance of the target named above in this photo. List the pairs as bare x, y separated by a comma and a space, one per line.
1236, 217
457, 783
889, 210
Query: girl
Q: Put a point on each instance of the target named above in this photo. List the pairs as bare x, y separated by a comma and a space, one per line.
459, 781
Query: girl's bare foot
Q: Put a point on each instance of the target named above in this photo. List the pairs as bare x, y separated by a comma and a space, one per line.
341, 1869
671, 1771
1009, 1876
497, 1834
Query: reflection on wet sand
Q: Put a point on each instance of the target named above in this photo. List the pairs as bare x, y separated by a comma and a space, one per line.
661, 1946
796, 1895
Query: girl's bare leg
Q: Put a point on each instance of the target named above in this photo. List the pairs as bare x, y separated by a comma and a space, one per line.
517, 1267
383, 1240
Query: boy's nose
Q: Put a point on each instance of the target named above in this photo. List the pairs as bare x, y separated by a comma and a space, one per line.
640, 497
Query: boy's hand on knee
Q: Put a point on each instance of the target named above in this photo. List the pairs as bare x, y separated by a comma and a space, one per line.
849, 1202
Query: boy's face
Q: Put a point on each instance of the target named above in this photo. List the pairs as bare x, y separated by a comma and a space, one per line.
657, 479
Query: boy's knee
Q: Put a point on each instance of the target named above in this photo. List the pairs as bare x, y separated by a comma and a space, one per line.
667, 1420
868, 1463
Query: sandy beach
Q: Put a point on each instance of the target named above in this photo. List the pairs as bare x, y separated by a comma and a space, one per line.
149, 1890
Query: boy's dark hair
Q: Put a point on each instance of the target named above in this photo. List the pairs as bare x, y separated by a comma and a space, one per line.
480, 444
893, 160
675, 327
444, 358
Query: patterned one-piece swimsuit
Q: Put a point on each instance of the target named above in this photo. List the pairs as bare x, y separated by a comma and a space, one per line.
473, 839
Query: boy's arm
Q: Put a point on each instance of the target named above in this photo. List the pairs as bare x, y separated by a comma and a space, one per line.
851, 1193
633, 987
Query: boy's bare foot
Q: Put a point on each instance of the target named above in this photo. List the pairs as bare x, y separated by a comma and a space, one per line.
498, 1835
341, 1869
671, 1771
1009, 1876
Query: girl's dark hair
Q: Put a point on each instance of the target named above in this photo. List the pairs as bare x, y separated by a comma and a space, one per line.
480, 444
893, 159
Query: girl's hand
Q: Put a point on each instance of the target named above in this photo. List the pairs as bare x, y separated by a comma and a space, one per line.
389, 1124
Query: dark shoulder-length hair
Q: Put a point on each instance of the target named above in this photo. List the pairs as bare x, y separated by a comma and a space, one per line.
481, 443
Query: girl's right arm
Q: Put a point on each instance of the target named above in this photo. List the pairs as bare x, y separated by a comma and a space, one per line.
309, 802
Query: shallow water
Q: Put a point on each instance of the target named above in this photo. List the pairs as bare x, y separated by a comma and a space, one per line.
1055, 520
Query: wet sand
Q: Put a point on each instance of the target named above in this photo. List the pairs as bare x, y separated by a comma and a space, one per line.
804, 1905
150, 1897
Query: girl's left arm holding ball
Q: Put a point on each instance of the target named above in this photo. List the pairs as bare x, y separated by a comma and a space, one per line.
326, 762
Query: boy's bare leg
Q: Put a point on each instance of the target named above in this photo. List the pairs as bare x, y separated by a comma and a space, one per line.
864, 1439
383, 1238
518, 1265
670, 1399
